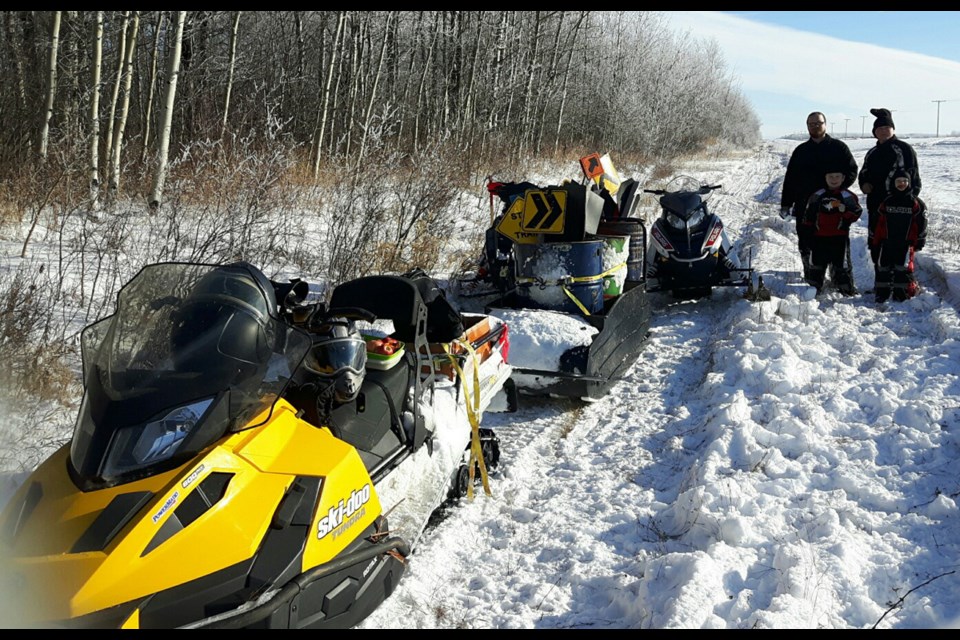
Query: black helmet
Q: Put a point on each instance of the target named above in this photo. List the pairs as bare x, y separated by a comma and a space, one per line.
224, 323
338, 356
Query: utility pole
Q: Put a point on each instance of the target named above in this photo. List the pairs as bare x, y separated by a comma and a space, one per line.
938, 115
863, 124
846, 126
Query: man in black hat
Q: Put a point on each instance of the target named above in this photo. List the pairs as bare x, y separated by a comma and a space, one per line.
879, 166
805, 170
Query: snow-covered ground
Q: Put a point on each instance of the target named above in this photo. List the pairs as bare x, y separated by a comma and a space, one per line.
785, 464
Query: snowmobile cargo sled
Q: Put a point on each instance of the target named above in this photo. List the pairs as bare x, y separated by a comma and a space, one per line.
239, 461
563, 266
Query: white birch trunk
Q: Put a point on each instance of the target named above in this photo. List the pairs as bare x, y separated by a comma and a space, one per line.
167, 118
148, 114
131, 49
326, 94
111, 120
233, 62
52, 86
367, 118
95, 66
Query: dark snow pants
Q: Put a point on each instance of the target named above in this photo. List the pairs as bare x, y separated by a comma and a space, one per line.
805, 239
833, 253
895, 273
872, 218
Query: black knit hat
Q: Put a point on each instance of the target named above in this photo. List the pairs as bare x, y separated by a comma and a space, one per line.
900, 173
884, 118
836, 166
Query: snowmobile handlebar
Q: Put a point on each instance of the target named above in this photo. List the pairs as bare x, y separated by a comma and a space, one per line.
321, 315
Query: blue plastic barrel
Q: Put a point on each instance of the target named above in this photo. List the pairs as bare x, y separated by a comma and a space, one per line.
544, 271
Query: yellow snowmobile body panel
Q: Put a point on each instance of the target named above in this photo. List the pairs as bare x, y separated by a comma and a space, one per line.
152, 551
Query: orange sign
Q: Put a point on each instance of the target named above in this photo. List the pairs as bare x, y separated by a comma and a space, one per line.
592, 166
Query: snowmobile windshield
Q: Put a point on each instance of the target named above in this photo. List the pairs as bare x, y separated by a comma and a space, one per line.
192, 352
684, 202
683, 184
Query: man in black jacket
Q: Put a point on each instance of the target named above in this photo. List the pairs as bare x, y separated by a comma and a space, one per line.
879, 166
805, 171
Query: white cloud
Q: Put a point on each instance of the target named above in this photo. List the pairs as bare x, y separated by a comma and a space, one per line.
848, 78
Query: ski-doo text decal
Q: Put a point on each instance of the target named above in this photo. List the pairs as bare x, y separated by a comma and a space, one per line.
344, 515
172, 500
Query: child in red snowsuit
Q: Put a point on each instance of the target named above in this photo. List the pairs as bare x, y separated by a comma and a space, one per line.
831, 210
901, 230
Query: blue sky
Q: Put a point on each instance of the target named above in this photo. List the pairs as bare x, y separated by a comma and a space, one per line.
789, 63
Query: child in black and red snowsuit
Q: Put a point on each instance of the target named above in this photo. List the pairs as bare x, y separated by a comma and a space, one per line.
901, 230
831, 210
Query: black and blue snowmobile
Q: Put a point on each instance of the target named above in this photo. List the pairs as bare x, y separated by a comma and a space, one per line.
690, 252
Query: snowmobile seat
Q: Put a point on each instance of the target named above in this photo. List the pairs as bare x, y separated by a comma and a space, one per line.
372, 423
387, 297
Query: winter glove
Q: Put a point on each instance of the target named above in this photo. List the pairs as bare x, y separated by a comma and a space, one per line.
919, 245
784, 213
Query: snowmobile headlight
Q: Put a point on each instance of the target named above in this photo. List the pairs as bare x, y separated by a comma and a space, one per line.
157, 440
676, 221
696, 218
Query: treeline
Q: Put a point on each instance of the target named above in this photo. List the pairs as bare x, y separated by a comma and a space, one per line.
108, 87
318, 144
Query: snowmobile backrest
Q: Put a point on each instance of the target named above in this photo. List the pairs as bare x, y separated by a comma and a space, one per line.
444, 322
388, 297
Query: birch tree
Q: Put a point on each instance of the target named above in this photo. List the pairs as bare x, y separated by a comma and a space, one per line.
51, 84
151, 85
233, 61
115, 95
95, 65
341, 18
367, 118
131, 49
167, 117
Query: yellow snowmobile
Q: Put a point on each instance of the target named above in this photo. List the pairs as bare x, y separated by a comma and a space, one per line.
235, 458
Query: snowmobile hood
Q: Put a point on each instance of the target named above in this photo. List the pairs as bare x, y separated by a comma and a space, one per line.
192, 352
683, 204
97, 558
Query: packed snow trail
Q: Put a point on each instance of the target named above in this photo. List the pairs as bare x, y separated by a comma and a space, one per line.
548, 450
678, 487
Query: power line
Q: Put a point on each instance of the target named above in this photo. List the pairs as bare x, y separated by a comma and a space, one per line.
938, 115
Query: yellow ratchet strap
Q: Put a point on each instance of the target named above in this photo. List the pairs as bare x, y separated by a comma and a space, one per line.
473, 413
563, 283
